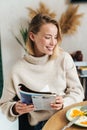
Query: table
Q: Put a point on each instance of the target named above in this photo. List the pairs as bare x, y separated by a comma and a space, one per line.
58, 120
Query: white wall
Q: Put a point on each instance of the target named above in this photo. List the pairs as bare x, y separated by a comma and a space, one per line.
5, 124
78, 41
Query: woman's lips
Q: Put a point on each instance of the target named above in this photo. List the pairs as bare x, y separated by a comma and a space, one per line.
50, 48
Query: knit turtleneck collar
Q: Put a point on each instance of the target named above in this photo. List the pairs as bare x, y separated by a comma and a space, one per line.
36, 60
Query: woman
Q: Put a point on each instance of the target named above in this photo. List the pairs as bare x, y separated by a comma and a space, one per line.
45, 64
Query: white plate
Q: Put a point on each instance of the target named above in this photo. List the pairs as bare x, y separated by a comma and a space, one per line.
80, 120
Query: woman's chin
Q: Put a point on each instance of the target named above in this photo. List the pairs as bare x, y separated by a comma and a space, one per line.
50, 53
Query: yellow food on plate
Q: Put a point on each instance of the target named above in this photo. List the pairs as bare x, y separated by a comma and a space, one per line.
83, 122
76, 112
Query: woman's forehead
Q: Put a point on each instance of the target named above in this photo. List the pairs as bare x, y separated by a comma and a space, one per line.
48, 28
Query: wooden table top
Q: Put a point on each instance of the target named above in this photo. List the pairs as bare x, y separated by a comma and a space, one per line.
58, 120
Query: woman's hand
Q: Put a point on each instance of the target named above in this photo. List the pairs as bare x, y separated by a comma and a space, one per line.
21, 108
58, 103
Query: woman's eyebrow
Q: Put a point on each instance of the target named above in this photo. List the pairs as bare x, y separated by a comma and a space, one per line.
50, 35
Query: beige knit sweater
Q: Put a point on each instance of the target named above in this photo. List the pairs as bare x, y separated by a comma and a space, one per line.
59, 75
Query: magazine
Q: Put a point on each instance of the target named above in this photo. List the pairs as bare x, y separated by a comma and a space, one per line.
41, 100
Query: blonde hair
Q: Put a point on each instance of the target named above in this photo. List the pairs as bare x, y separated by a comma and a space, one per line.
35, 25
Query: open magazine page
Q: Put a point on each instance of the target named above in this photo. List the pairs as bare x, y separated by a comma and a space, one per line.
41, 100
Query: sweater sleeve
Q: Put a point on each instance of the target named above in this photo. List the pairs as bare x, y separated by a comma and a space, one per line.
6, 101
74, 92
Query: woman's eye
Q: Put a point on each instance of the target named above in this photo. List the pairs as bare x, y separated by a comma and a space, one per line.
47, 37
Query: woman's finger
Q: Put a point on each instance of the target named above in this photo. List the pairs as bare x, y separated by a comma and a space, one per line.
22, 108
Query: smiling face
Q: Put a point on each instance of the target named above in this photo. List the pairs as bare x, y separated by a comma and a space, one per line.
45, 40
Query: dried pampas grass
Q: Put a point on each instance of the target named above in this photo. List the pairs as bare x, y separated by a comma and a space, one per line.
70, 20
42, 9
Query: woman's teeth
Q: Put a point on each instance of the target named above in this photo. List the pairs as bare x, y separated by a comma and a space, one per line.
50, 48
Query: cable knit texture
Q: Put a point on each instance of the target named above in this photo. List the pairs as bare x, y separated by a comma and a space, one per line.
36, 73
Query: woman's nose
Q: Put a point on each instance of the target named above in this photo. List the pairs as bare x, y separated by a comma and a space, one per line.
53, 42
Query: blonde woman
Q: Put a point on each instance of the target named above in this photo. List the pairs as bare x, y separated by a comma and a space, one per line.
44, 64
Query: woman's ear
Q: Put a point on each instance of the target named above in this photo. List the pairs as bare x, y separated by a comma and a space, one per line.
31, 36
